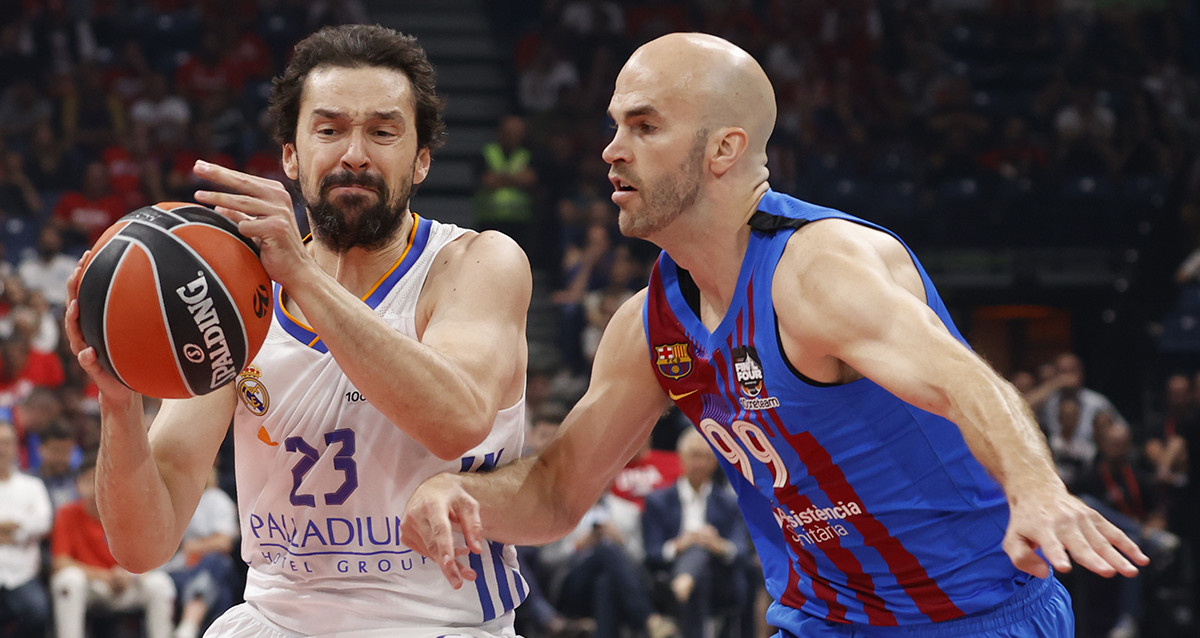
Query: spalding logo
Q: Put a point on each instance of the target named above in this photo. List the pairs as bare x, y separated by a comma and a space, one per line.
200, 306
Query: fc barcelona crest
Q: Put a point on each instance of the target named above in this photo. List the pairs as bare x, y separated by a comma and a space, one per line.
674, 360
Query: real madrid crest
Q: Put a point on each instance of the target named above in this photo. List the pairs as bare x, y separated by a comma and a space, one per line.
251, 391
674, 360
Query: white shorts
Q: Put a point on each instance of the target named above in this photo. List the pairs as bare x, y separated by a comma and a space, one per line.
244, 621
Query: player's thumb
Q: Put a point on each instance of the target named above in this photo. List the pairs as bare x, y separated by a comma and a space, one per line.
1024, 557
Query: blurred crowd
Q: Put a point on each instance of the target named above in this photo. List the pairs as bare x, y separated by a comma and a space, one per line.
953, 122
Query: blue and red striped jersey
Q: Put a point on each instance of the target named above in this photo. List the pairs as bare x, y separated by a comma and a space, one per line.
863, 508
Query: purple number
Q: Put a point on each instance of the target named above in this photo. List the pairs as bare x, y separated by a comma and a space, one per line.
306, 463
343, 460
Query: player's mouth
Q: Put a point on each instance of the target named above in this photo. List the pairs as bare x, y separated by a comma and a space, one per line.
622, 190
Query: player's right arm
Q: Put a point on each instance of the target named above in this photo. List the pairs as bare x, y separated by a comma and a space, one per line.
148, 483
539, 499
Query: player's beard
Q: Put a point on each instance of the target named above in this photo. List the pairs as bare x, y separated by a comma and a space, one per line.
665, 198
354, 221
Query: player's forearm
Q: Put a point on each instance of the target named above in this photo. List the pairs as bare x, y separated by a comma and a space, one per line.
1002, 433
135, 504
416, 387
519, 505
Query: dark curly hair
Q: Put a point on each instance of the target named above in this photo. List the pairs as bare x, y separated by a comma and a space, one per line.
354, 46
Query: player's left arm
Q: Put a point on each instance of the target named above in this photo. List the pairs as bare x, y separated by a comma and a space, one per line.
853, 294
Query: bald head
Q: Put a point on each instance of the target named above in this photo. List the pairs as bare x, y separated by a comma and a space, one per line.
721, 81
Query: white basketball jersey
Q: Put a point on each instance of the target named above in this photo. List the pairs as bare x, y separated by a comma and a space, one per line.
323, 478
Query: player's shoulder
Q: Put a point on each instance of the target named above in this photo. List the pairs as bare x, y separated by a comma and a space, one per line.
830, 241
487, 248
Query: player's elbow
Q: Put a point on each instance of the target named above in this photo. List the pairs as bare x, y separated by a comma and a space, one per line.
139, 558
453, 440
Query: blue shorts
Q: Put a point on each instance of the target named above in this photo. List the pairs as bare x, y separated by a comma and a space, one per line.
1039, 609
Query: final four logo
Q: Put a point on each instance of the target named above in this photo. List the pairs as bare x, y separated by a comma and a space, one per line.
252, 392
749, 372
674, 360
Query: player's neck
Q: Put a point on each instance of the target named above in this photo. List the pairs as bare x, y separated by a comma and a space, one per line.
710, 243
359, 269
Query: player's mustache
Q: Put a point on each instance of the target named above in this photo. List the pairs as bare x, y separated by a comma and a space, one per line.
347, 178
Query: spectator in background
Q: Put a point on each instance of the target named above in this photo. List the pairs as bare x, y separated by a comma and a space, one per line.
1067, 379
598, 570
31, 413
134, 169
57, 463
44, 268
504, 198
1125, 495
85, 575
585, 268
695, 536
128, 77
165, 115
1165, 448
208, 70
541, 85
1071, 445
23, 368
181, 182
202, 569
25, 518
83, 215
22, 105
92, 116
19, 198
51, 164
649, 469
624, 278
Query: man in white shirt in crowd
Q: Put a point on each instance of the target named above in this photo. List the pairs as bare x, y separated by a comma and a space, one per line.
25, 518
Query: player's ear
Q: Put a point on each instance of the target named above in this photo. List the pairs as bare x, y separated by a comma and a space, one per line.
726, 146
291, 166
421, 166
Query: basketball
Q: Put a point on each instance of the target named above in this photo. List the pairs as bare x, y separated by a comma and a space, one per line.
174, 300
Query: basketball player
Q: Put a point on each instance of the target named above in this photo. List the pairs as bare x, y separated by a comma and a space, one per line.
883, 468
396, 352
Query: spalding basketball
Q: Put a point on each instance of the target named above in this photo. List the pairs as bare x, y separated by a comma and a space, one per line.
174, 300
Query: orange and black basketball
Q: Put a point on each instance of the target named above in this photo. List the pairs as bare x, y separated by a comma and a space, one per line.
174, 300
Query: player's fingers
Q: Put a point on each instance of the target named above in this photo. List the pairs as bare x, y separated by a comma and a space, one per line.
1097, 533
1117, 538
237, 206
237, 180
76, 274
466, 513
71, 326
427, 530
1082, 548
1024, 558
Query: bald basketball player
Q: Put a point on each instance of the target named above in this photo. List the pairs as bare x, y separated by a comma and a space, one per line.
888, 475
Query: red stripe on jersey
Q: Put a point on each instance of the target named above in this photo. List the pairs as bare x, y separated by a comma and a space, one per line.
843, 559
924, 592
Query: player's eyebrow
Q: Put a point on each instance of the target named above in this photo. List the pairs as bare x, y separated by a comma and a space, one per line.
334, 114
636, 111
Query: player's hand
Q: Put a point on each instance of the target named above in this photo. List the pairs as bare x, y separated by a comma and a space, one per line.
262, 209
434, 512
1065, 528
110, 388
